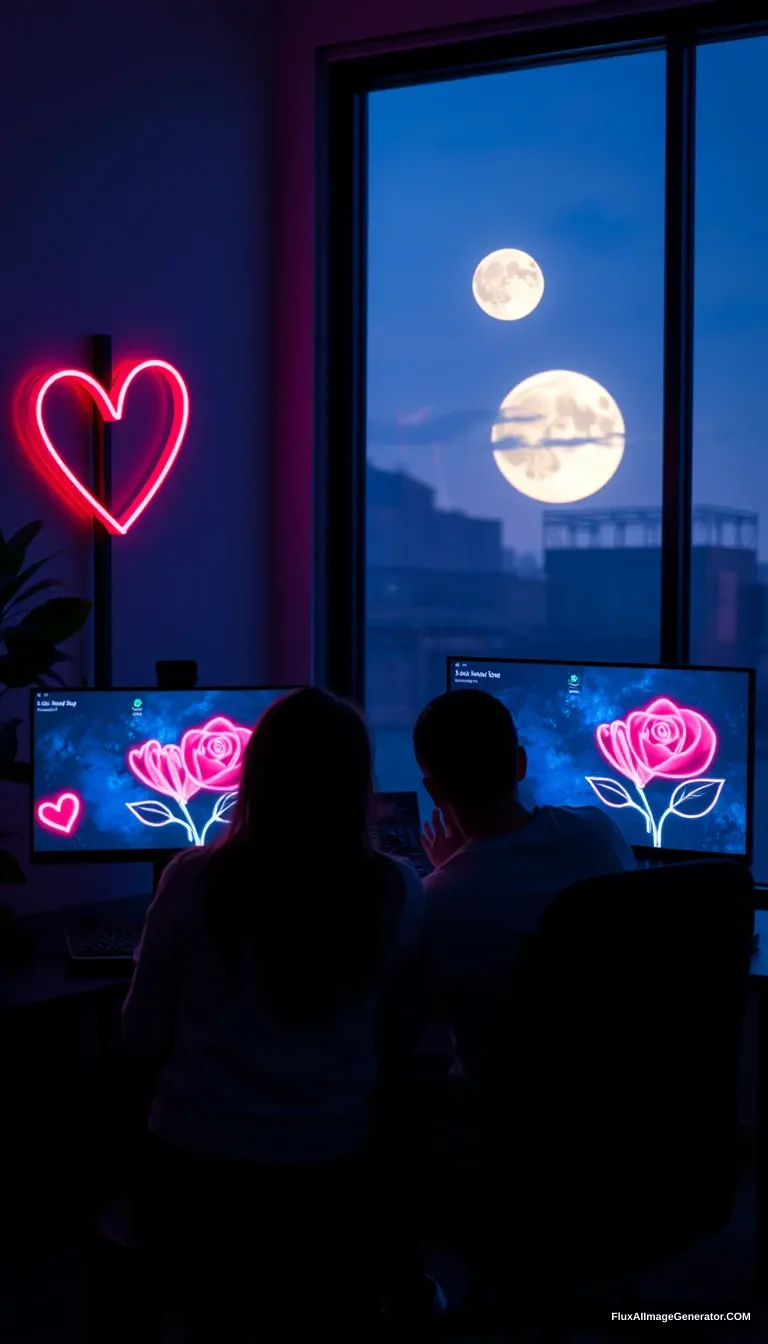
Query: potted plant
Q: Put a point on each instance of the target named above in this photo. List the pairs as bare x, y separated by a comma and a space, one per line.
30, 634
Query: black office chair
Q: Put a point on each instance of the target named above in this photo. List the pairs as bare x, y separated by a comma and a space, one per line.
610, 1111
273, 1255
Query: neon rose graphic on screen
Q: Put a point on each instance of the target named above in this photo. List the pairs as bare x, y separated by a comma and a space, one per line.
213, 755
662, 741
208, 759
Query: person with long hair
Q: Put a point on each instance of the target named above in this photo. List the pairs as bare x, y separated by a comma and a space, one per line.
261, 991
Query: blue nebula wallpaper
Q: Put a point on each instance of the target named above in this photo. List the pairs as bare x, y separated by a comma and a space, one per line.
123, 770
663, 751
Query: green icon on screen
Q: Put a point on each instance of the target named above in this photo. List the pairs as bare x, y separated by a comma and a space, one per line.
137, 704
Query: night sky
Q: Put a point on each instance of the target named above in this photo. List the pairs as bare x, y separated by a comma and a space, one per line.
567, 164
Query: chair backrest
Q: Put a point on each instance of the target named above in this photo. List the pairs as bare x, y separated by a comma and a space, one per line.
614, 1079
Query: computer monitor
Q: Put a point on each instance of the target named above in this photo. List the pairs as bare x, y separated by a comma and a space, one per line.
133, 774
666, 752
397, 828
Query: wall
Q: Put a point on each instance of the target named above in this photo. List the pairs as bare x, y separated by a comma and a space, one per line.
306, 27
135, 170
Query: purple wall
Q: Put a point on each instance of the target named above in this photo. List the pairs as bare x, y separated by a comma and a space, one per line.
135, 172
148, 193
345, 26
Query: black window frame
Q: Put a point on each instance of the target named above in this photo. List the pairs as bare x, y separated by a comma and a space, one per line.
344, 81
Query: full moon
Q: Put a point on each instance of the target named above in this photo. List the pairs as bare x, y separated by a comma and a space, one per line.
508, 284
564, 435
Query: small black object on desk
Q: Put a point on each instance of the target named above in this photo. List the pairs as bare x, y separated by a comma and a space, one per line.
17, 942
176, 674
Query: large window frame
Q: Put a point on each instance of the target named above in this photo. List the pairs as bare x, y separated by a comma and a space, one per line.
343, 85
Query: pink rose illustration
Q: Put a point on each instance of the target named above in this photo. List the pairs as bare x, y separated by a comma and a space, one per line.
208, 758
213, 754
664, 740
162, 768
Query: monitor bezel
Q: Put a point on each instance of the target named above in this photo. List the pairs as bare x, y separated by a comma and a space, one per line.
646, 852
49, 858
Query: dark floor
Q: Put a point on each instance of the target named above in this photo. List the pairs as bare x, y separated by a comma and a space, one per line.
42, 1302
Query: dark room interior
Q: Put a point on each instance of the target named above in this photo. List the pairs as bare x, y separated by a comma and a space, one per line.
370, 503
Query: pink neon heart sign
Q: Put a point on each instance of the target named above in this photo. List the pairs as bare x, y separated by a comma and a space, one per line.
111, 405
59, 814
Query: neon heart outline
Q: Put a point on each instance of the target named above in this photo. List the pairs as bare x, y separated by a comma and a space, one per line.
112, 411
56, 803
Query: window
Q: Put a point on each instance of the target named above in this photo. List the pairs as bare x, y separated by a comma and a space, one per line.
514, 440
729, 570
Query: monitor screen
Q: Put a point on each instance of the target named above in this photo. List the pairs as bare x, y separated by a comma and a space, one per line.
397, 829
667, 752
132, 773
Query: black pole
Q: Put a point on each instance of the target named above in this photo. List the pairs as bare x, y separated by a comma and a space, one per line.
102, 540
339, 653
678, 354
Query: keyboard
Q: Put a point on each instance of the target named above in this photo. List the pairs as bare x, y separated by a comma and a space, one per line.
403, 841
104, 949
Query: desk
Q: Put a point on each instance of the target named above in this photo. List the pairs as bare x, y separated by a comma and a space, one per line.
64, 1027
66, 1106
47, 978
759, 976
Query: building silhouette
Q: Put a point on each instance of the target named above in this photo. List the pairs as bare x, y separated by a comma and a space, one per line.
439, 582
436, 584
607, 606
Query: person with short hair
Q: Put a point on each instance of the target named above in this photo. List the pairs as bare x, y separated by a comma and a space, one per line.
498, 864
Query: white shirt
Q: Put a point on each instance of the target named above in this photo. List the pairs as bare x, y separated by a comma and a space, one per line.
234, 1082
487, 900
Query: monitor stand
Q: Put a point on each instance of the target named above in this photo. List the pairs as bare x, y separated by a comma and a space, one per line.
159, 866
653, 860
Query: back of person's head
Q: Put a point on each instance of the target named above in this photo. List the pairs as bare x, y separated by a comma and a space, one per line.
295, 881
467, 748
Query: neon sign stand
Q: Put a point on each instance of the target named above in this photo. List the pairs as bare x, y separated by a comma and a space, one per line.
108, 405
102, 538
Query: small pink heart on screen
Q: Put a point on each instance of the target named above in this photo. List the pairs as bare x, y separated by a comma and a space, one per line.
59, 814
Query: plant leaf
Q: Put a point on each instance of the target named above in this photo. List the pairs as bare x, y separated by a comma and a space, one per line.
9, 744
223, 805
57, 619
13, 551
16, 672
695, 797
22, 639
11, 874
153, 813
10, 590
16, 772
26, 535
31, 592
27, 656
610, 792
78, 678
50, 676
